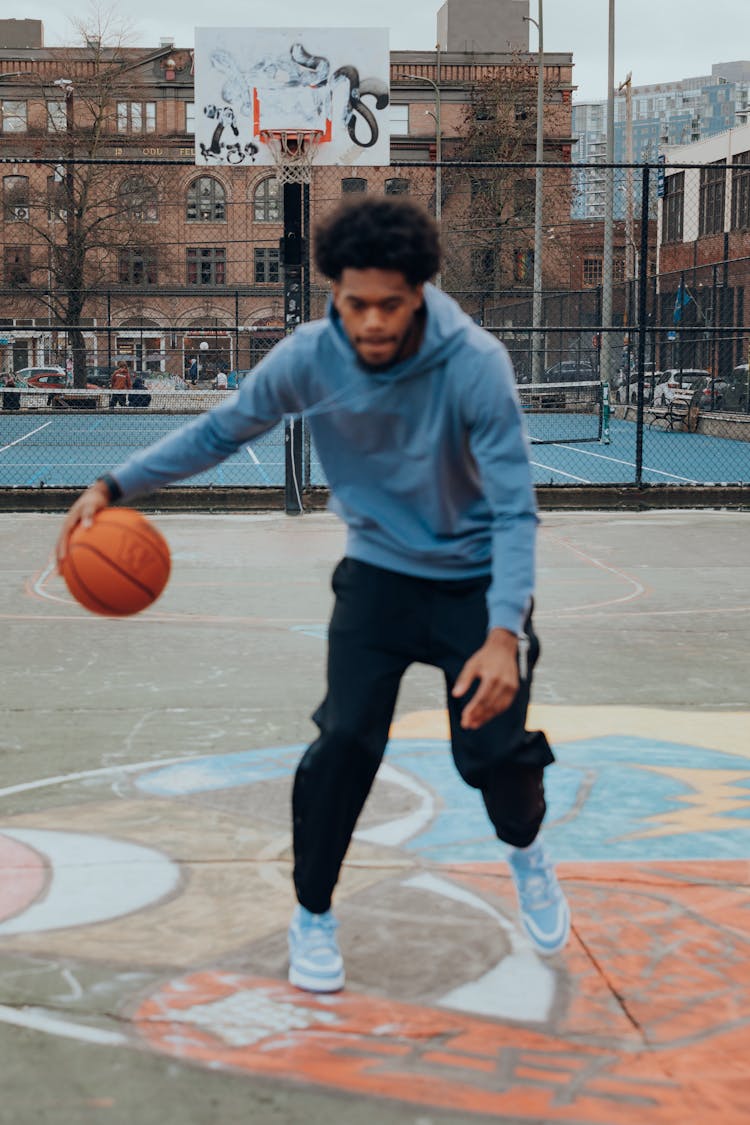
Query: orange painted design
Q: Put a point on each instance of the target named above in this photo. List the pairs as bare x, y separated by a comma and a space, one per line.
656, 1028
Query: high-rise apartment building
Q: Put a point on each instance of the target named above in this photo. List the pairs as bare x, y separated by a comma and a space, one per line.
662, 115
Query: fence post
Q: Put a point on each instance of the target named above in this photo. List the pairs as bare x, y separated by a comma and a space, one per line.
642, 323
292, 259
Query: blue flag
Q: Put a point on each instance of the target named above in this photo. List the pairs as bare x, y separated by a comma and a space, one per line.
682, 299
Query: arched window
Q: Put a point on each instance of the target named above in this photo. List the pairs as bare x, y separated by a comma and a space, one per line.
16, 198
353, 184
140, 199
396, 187
267, 201
206, 201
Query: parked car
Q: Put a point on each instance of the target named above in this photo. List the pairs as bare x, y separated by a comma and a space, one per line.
736, 390
570, 371
688, 379
32, 373
626, 390
47, 379
100, 376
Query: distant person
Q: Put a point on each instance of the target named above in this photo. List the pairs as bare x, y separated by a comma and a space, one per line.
221, 382
121, 380
139, 401
11, 398
193, 371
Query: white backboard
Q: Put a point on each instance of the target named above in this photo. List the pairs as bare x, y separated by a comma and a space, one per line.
248, 80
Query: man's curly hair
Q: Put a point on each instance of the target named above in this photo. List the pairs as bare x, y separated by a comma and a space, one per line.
378, 232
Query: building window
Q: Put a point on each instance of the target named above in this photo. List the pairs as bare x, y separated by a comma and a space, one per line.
524, 194
712, 194
137, 266
17, 265
136, 117
16, 199
13, 117
57, 211
353, 184
140, 200
741, 191
396, 187
399, 118
483, 264
674, 207
267, 266
267, 206
206, 265
57, 117
206, 201
480, 188
190, 118
592, 271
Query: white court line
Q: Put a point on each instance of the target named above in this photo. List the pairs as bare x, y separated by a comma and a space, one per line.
61, 779
37, 1019
38, 586
620, 461
560, 472
254, 458
28, 435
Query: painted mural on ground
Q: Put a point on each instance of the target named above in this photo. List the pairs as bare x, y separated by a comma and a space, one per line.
184, 864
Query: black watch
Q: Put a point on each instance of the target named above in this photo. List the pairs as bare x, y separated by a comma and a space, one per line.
115, 492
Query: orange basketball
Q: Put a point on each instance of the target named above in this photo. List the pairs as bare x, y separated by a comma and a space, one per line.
117, 566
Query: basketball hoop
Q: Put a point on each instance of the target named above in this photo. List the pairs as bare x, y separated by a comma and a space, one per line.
293, 152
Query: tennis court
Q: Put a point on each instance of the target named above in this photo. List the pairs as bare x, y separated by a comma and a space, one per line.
57, 449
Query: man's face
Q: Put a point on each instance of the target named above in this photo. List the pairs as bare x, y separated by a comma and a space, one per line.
378, 310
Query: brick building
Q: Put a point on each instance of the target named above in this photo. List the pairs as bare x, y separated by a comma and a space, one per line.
704, 249
175, 256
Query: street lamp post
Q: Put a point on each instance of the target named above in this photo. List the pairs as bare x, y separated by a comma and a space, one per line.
438, 147
537, 353
606, 338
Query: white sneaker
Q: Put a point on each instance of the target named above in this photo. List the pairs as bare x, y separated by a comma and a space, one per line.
315, 961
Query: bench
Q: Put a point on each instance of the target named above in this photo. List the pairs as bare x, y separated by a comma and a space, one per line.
680, 413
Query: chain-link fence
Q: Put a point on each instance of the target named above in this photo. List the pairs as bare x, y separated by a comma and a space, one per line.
628, 332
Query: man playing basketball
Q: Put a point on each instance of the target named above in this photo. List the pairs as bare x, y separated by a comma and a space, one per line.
415, 418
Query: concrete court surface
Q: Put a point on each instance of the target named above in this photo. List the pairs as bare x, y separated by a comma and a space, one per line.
145, 770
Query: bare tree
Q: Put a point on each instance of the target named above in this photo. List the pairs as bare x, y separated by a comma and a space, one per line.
85, 225
489, 233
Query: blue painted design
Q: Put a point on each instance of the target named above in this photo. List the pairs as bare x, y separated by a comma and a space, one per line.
224, 771
602, 798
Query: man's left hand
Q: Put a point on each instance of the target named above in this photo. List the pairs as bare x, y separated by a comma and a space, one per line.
494, 666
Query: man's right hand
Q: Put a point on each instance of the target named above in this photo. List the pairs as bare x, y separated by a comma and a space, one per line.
83, 511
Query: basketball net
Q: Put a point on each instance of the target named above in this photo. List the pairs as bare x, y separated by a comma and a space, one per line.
293, 152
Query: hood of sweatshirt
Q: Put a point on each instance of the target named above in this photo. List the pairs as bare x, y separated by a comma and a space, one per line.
445, 331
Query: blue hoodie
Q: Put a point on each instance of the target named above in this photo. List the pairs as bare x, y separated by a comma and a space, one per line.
426, 460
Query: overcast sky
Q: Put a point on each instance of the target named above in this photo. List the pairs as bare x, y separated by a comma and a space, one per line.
658, 40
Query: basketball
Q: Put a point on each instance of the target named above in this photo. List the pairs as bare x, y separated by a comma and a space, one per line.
119, 565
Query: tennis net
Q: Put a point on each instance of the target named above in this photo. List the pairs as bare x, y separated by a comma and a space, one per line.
562, 412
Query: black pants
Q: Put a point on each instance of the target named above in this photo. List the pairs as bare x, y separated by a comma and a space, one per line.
382, 622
